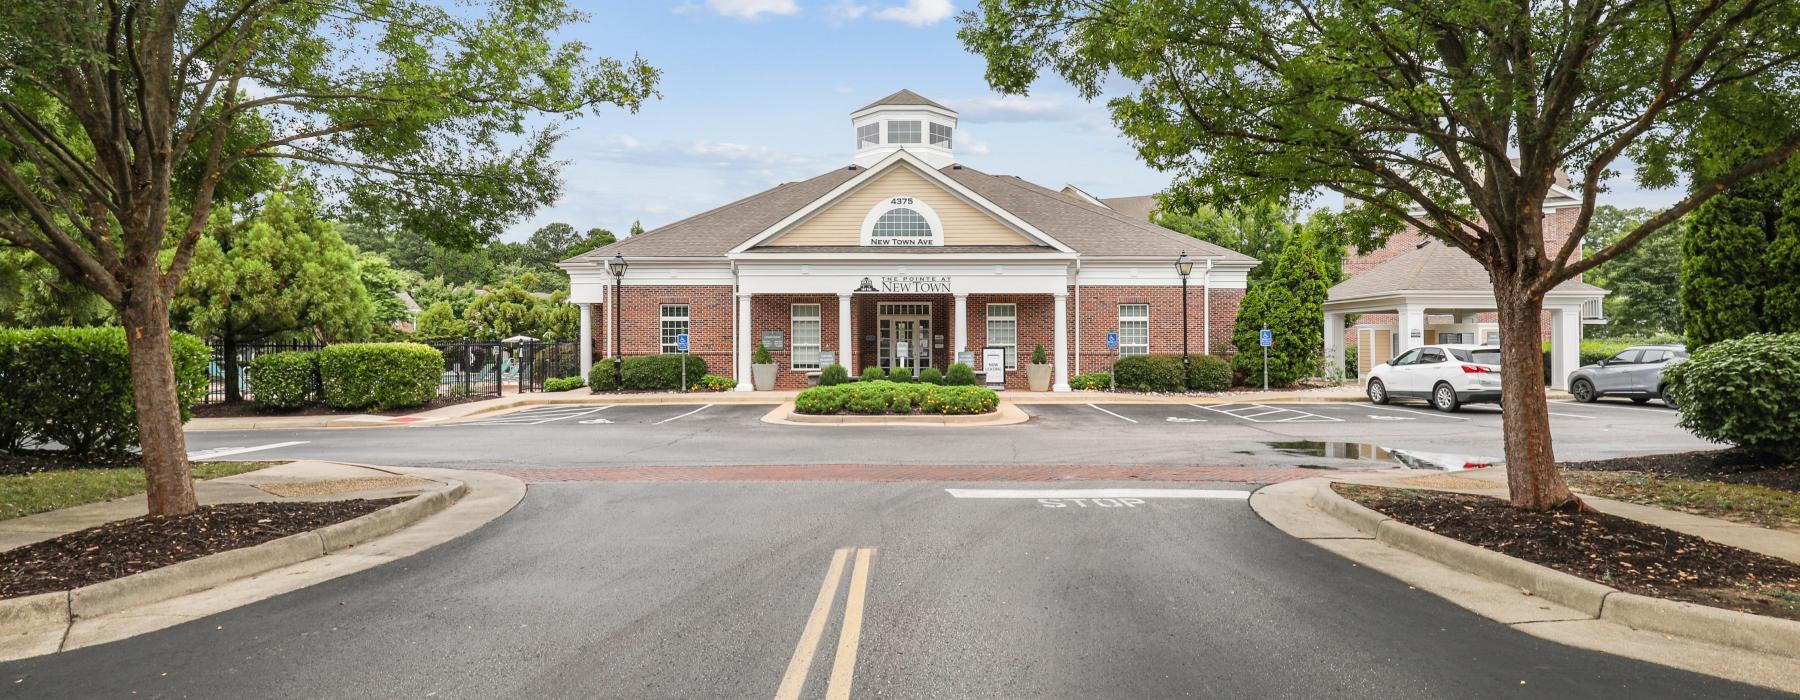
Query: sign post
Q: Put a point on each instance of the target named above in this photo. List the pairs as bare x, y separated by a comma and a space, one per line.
681, 343
1265, 339
1112, 377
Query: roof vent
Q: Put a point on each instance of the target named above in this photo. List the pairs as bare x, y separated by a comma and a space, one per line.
851, 168
1421, 244
956, 166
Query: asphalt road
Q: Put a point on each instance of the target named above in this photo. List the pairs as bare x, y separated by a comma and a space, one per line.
689, 590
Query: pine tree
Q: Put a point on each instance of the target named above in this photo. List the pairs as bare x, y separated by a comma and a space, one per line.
1291, 304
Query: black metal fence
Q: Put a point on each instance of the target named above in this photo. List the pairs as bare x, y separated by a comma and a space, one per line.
218, 371
537, 361
471, 367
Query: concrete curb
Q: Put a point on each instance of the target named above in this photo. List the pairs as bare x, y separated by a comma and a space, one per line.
1738, 630
1004, 414
64, 607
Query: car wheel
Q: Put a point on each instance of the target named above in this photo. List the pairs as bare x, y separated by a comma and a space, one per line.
1443, 398
1377, 392
1640, 399
1583, 391
1667, 400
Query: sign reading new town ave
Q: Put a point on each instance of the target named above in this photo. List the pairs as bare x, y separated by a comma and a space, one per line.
916, 284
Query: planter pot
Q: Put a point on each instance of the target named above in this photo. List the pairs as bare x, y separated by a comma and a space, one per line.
762, 377
1038, 376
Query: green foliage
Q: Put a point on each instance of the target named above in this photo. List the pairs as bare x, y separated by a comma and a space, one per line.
1291, 304
285, 379
600, 377
1596, 349
1259, 230
931, 375
900, 375
1742, 391
384, 284
960, 374
72, 386
1740, 267
1151, 373
650, 373
505, 313
713, 382
1645, 282
440, 322
1092, 381
564, 383
1350, 362
33, 294
1038, 357
872, 373
882, 397
379, 376
833, 375
1208, 373
762, 356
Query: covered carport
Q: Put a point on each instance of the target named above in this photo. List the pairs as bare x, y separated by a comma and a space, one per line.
1436, 294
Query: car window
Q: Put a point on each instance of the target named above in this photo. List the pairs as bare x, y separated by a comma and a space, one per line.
1485, 356
1460, 354
1654, 356
1405, 358
1431, 356
1625, 357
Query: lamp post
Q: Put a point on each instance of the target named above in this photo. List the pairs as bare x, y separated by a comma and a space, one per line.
1183, 266
617, 267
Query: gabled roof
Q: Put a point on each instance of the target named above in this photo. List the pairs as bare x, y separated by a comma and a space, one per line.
712, 233
1138, 207
905, 98
1432, 267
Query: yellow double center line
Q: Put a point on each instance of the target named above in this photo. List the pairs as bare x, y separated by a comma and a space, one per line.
843, 666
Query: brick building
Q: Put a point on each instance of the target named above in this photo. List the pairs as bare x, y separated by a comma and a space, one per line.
924, 260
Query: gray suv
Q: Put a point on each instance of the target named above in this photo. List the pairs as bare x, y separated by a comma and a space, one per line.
1636, 372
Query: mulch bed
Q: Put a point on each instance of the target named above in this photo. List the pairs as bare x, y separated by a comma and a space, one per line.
35, 461
1625, 554
127, 547
250, 409
1725, 466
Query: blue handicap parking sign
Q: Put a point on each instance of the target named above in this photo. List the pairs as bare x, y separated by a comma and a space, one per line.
1268, 338
681, 342
1112, 341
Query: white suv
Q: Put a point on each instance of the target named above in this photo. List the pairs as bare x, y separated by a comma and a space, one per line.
1447, 376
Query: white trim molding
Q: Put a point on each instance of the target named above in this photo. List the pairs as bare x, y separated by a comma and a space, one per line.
916, 205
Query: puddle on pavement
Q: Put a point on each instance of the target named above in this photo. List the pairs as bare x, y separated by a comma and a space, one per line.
1370, 452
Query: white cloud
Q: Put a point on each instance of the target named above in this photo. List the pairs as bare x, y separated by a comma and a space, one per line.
918, 13
848, 10
701, 153
1013, 108
967, 144
752, 9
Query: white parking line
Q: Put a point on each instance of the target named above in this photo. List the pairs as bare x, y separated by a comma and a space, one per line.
540, 416
218, 452
1572, 415
1408, 410
1100, 493
1261, 410
684, 415
1110, 413
1624, 406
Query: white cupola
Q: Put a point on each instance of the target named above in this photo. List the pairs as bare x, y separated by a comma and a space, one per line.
905, 120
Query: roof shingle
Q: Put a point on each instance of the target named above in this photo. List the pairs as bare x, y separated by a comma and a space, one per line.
905, 98
1432, 267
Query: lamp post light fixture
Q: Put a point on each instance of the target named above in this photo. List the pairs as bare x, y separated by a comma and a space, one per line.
1184, 265
617, 266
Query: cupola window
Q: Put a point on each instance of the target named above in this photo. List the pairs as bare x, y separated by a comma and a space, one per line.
904, 132
868, 135
940, 135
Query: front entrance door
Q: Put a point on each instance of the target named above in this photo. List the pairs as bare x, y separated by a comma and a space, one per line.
904, 336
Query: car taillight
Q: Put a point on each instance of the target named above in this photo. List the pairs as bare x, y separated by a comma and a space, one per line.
1475, 369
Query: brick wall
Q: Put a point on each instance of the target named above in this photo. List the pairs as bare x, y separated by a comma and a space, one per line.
1100, 316
774, 312
709, 322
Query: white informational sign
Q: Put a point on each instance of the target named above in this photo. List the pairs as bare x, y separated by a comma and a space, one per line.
993, 364
827, 358
903, 349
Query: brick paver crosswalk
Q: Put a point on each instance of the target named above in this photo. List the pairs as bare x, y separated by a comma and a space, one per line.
888, 472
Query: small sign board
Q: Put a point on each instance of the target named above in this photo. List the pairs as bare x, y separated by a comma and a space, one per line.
827, 358
1266, 338
681, 342
774, 340
966, 358
993, 365
1112, 341
1417, 333
902, 349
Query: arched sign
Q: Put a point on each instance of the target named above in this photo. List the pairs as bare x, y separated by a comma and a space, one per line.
902, 222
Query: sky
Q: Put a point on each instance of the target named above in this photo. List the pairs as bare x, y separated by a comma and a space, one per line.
759, 92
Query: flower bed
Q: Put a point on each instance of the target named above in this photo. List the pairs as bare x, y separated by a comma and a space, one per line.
892, 398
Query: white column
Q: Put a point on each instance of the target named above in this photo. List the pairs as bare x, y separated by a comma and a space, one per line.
1411, 321
587, 339
962, 325
846, 334
1061, 380
1334, 341
741, 345
1565, 344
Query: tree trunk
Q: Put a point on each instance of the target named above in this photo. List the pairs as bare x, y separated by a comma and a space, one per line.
146, 319
230, 347
1532, 476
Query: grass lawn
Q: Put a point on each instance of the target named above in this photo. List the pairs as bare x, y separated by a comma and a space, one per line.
25, 494
1744, 503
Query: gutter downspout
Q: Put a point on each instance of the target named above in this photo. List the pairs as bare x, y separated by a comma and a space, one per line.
1206, 309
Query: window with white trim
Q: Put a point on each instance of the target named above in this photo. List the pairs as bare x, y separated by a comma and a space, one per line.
674, 323
903, 132
902, 223
1003, 331
803, 325
1134, 329
868, 135
940, 135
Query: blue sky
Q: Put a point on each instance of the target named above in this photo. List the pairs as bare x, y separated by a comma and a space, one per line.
759, 92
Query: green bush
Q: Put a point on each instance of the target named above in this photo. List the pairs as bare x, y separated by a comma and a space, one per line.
1038, 357
285, 379
833, 375
762, 356
649, 373
960, 375
563, 383
900, 375
713, 382
379, 376
1350, 362
1744, 391
72, 386
878, 398
873, 374
600, 377
1208, 373
1092, 381
1151, 373
1593, 350
931, 375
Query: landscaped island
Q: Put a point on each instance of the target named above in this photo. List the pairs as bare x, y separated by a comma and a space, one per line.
883, 397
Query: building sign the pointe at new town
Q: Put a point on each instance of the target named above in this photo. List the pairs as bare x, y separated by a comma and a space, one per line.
916, 284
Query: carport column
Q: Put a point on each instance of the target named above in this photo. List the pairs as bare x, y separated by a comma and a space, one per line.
587, 339
1410, 327
962, 325
1061, 381
846, 333
1565, 344
741, 345
1334, 342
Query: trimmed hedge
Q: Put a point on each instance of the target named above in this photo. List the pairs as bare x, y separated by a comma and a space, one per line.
833, 375
648, 373
1208, 373
900, 375
960, 375
1744, 391
285, 379
872, 374
1151, 373
713, 382
379, 376
564, 383
931, 375
72, 386
881, 398
1092, 381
